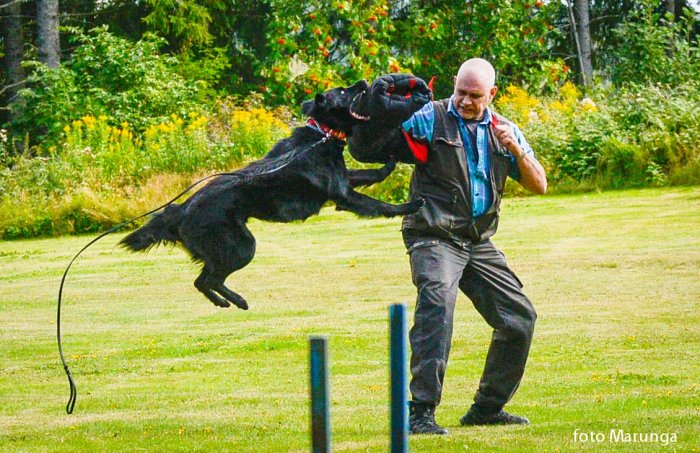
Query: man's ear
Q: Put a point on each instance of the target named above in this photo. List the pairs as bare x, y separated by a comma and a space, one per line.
492, 92
307, 107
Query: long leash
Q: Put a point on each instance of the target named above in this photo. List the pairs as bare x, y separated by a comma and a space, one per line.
73, 389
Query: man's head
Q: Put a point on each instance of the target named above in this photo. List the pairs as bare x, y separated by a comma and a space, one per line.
474, 88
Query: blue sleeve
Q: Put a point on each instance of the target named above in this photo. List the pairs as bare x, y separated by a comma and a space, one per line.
420, 125
515, 172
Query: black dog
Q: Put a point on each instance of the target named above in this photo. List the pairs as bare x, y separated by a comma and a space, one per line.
292, 182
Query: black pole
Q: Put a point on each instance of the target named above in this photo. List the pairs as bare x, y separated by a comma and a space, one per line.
399, 394
320, 400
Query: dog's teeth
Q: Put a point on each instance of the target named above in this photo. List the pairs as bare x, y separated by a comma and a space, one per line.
358, 116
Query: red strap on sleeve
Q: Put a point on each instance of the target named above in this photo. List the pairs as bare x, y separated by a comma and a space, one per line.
418, 148
494, 120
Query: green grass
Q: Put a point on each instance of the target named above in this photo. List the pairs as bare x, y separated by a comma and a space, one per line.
614, 276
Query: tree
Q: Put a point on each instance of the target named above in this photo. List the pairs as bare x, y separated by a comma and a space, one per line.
584, 39
47, 33
12, 36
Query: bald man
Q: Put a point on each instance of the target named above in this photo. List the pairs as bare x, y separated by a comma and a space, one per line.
464, 152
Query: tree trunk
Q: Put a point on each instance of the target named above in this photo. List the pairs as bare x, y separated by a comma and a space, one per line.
47, 32
11, 26
671, 8
584, 38
670, 11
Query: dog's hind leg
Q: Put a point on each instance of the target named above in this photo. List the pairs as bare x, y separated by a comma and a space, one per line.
202, 283
360, 178
210, 283
232, 249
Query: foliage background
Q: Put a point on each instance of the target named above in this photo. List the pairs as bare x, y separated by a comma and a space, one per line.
150, 96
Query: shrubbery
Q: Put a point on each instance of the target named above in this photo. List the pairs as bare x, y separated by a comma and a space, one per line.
121, 127
107, 76
102, 172
641, 135
99, 175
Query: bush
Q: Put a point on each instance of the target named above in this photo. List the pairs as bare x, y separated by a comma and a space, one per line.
641, 135
100, 175
107, 76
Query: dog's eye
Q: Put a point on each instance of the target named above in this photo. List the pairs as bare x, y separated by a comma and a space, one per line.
342, 91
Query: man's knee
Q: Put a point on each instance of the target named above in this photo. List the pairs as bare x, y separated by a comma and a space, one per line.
520, 327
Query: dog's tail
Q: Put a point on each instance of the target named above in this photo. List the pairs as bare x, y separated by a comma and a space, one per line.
163, 227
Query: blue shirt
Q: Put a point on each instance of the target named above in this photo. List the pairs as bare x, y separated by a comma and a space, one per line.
421, 126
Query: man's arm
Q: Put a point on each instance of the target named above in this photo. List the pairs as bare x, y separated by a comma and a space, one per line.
532, 175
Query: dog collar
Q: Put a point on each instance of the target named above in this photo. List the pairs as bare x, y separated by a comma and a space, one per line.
327, 131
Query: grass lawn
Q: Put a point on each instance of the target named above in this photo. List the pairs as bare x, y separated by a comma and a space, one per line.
615, 278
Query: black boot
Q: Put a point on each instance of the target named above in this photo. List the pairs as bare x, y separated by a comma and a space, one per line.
422, 419
479, 416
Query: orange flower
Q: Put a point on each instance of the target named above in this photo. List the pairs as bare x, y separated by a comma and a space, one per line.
317, 31
394, 67
281, 41
370, 31
312, 16
328, 40
275, 69
307, 90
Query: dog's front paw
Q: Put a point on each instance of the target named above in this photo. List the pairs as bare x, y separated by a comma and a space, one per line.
415, 205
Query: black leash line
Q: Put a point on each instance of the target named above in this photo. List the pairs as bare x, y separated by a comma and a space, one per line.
73, 389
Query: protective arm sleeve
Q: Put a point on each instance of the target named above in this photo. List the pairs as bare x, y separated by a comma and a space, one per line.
390, 100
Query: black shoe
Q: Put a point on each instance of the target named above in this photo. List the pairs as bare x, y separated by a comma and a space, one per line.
422, 420
476, 417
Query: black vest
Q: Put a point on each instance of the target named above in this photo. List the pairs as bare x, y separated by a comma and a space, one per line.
444, 184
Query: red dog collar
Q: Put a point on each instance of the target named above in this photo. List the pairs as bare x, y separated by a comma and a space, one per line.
340, 135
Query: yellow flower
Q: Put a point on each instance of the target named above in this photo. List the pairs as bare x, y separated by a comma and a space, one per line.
520, 106
568, 91
588, 105
89, 121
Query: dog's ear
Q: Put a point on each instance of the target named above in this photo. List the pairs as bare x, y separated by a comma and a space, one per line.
307, 107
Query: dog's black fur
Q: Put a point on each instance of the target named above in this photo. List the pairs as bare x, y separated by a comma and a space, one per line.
292, 182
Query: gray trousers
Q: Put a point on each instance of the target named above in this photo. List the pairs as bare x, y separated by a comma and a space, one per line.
480, 271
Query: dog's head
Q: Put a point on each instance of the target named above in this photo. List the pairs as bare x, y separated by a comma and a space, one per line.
333, 107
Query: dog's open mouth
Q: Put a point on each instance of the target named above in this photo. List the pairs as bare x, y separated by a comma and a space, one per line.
354, 114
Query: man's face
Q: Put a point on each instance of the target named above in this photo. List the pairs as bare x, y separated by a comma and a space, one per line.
472, 96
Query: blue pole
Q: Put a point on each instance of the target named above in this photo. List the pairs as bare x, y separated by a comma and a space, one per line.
320, 400
399, 394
